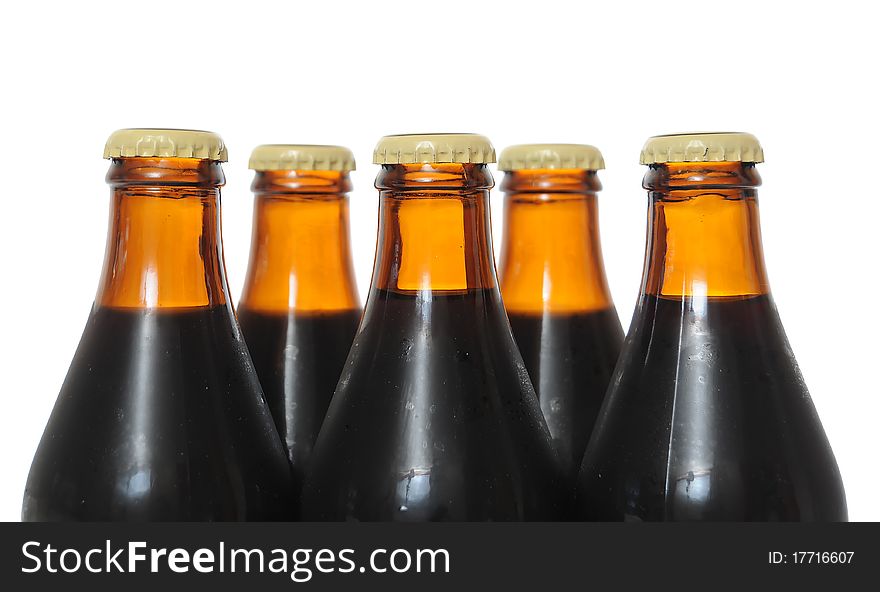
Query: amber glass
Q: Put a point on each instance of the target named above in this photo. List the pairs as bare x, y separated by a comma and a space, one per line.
300, 309
557, 299
707, 416
161, 416
434, 417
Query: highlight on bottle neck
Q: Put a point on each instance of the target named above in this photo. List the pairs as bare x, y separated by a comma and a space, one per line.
282, 183
164, 247
551, 257
704, 236
434, 228
300, 247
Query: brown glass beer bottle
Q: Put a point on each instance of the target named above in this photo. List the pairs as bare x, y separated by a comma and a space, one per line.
707, 416
300, 309
554, 287
161, 416
434, 417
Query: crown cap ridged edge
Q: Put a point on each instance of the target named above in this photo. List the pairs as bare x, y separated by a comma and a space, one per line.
434, 148
551, 156
702, 147
165, 143
301, 157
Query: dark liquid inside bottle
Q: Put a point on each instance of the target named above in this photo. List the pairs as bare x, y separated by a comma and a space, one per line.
156, 421
709, 392
433, 419
570, 359
299, 358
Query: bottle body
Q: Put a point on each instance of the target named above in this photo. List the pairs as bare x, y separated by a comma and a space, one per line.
708, 417
434, 418
557, 299
299, 311
161, 416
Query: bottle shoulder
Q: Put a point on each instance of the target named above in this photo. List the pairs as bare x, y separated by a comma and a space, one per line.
139, 408
709, 414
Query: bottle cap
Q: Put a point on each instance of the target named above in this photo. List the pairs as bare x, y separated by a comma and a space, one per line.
301, 157
165, 143
434, 148
708, 147
551, 156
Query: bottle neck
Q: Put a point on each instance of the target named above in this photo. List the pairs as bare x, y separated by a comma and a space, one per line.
704, 235
164, 247
551, 260
434, 229
300, 248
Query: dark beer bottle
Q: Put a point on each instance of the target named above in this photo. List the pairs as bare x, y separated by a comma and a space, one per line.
554, 286
707, 416
434, 417
161, 416
300, 308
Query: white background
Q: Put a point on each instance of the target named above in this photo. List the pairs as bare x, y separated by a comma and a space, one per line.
801, 76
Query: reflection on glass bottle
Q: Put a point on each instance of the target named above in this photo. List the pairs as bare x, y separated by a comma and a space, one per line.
707, 417
300, 310
434, 417
554, 287
161, 416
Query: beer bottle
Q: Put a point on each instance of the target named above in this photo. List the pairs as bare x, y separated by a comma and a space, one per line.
554, 286
707, 416
434, 417
161, 416
300, 309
